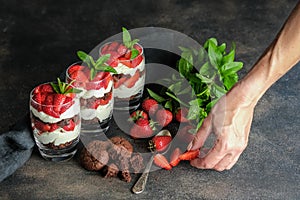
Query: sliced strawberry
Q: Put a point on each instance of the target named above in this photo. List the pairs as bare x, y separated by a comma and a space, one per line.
119, 82
46, 88
189, 155
48, 107
125, 62
138, 47
42, 127
113, 46
67, 104
74, 68
79, 76
58, 101
161, 161
127, 55
122, 49
99, 76
93, 86
53, 127
136, 61
132, 80
104, 49
70, 126
164, 117
37, 101
174, 158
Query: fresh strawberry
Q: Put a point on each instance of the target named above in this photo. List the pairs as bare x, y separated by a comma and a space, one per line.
37, 98
189, 155
67, 104
58, 101
181, 114
174, 158
99, 76
70, 126
113, 46
136, 61
46, 88
137, 115
104, 49
150, 106
159, 143
53, 127
127, 54
138, 47
161, 161
42, 127
48, 107
122, 50
119, 82
143, 128
164, 117
125, 62
74, 68
129, 83
79, 76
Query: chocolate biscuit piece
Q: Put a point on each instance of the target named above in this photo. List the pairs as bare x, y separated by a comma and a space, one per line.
125, 176
110, 171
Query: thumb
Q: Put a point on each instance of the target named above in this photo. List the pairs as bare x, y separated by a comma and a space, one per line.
201, 134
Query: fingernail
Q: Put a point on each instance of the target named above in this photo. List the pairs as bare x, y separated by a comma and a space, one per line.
189, 147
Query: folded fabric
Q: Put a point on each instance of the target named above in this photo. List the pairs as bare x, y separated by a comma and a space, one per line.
16, 147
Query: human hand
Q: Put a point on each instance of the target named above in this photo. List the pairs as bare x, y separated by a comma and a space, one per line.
230, 120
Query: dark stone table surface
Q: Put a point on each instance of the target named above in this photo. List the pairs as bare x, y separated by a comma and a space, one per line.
38, 40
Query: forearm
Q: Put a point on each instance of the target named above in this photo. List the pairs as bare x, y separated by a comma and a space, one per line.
282, 55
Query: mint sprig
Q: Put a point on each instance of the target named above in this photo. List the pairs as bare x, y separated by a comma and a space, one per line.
64, 88
210, 71
130, 43
96, 66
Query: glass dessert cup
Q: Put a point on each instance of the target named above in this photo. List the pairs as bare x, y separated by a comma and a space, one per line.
96, 98
56, 129
130, 78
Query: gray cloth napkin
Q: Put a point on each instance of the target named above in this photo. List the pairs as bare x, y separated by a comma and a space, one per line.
16, 147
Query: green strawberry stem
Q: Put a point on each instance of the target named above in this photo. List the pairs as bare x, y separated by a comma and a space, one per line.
64, 88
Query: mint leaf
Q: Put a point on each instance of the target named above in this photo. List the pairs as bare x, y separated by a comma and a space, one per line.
155, 96
134, 53
101, 60
126, 37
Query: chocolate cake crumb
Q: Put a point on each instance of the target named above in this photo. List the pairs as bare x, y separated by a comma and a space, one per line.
125, 176
110, 171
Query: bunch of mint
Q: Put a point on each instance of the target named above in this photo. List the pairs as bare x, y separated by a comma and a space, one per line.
209, 71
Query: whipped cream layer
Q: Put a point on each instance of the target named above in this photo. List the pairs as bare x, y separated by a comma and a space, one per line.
86, 94
69, 113
59, 136
123, 69
125, 92
102, 112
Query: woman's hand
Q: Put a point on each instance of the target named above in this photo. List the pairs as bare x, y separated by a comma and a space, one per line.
230, 120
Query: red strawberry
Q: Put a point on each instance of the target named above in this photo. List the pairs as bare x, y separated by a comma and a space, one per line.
104, 49
181, 115
119, 82
189, 155
142, 129
125, 62
79, 76
58, 101
53, 127
122, 49
74, 68
127, 55
161, 161
48, 108
159, 143
70, 126
137, 61
46, 88
164, 117
99, 76
42, 127
129, 83
174, 158
37, 101
150, 106
137, 115
113, 46
67, 104
138, 47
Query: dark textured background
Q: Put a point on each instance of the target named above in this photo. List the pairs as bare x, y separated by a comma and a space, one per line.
38, 40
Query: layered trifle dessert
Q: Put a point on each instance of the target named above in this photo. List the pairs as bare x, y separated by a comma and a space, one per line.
127, 58
96, 98
55, 119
